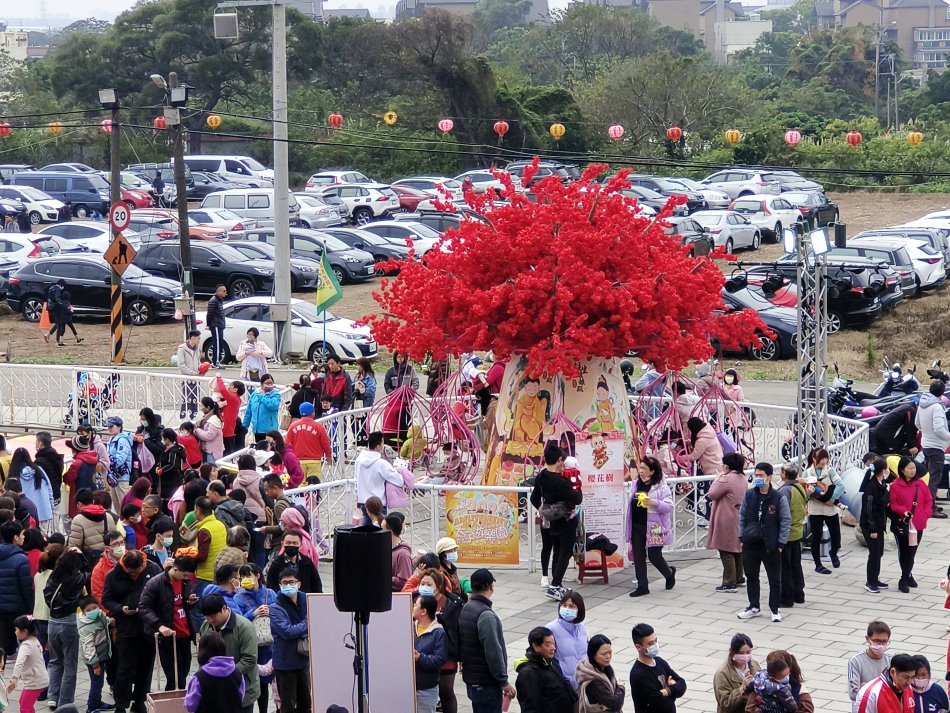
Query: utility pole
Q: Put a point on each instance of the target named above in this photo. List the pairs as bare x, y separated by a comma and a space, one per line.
181, 201
109, 100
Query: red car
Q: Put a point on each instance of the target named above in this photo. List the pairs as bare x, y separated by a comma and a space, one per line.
137, 199
410, 198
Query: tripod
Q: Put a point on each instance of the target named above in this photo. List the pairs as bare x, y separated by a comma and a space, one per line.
361, 619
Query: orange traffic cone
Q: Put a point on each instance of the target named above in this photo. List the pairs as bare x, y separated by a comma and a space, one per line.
44, 318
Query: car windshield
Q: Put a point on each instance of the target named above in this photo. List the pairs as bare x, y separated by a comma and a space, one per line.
687, 183
255, 251
134, 273
311, 201
364, 236
34, 194
228, 254
332, 244
309, 312
452, 184
708, 218
649, 194
747, 206
97, 181
253, 164
424, 231
753, 300
226, 215
322, 180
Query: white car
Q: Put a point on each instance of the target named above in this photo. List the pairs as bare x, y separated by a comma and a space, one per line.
484, 180
365, 201
929, 265
314, 213
714, 199
769, 213
343, 337
435, 186
318, 181
94, 236
221, 218
422, 237
740, 182
19, 248
42, 207
728, 229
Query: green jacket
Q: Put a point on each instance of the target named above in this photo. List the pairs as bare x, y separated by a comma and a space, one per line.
241, 642
95, 644
797, 506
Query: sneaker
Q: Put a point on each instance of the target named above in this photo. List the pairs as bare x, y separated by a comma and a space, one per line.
553, 593
106, 706
749, 613
821, 569
545, 582
872, 588
911, 581
835, 562
51, 704
727, 589
741, 582
639, 593
882, 585
776, 617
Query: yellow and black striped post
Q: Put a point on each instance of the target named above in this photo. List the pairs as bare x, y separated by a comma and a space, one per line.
118, 345
115, 164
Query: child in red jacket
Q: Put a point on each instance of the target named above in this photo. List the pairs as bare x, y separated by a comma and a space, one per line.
573, 473
188, 441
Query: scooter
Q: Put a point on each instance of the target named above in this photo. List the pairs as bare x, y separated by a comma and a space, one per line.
870, 408
894, 379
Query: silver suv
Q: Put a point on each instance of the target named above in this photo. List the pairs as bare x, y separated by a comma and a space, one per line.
737, 182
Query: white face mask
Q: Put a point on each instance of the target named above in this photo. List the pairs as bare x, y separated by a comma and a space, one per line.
729, 379
920, 684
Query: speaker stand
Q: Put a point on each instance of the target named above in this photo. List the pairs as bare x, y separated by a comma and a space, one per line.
360, 669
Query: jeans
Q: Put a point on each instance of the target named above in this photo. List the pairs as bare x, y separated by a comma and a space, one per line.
793, 579
95, 686
732, 570
485, 699
294, 690
563, 550
875, 553
638, 542
817, 523
217, 340
906, 554
63, 660
933, 458
753, 556
426, 700
174, 680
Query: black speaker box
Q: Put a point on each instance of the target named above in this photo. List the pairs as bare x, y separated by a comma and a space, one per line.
362, 569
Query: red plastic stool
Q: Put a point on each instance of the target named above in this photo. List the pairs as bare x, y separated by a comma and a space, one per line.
595, 570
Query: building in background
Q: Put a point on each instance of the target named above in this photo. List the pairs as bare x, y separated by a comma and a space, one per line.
416, 8
15, 43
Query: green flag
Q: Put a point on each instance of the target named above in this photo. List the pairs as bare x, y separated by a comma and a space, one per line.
328, 288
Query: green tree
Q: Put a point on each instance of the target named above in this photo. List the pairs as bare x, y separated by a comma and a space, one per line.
491, 16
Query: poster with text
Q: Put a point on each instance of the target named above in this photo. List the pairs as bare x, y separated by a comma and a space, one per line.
600, 457
485, 525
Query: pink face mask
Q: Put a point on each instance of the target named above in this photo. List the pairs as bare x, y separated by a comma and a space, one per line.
742, 659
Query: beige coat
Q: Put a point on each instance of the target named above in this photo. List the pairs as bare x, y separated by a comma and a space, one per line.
727, 687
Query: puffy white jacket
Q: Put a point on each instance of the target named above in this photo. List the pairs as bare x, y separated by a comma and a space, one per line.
931, 420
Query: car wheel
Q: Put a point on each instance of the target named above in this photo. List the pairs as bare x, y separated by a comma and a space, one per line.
835, 322
139, 313
32, 309
35, 218
340, 274
241, 287
130, 204
729, 246
305, 224
361, 216
756, 240
743, 194
319, 354
918, 292
81, 211
777, 232
768, 350
225, 352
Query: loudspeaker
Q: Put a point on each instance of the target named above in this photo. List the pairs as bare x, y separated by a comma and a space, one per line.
841, 235
362, 569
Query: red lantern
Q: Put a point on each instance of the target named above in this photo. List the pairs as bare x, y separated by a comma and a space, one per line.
335, 120
615, 132
5, 129
854, 138
160, 123
674, 133
501, 128
792, 137
106, 125
445, 126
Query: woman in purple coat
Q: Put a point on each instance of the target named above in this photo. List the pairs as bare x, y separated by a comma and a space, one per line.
650, 524
726, 493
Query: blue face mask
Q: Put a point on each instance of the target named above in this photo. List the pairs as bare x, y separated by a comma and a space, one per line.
288, 590
760, 482
423, 590
94, 614
568, 614
452, 556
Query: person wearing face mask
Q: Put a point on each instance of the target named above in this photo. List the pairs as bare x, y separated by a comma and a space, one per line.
240, 640
733, 392
570, 634
867, 665
289, 626
263, 409
772, 689
654, 685
114, 549
726, 493
824, 487
95, 644
136, 534
164, 607
875, 501
928, 698
430, 651
188, 361
291, 557
541, 685
253, 355
255, 599
731, 678
162, 537
890, 692
448, 551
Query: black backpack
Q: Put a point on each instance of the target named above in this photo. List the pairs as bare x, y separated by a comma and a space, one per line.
449, 619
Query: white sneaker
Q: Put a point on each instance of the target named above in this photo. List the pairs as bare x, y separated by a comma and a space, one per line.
749, 613
545, 582
776, 616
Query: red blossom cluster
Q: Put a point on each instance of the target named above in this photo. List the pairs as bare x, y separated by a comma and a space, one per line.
573, 274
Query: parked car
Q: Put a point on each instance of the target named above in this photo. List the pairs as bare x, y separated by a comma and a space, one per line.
814, 206
41, 207
729, 229
769, 213
314, 213
365, 201
565, 172
245, 170
438, 187
692, 234
715, 200
9, 170
86, 192
783, 321
70, 167
135, 182
897, 258
380, 248
148, 170
665, 187
303, 271
348, 264
411, 198
19, 248
53, 245
344, 339
207, 183
929, 266
934, 237
740, 182
319, 180
251, 203
421, 237
88, 279
651, 202
136, 199
213, 264
329, 198
93, 236
792, 181
440, 221
484, 180
162, 224
233, 224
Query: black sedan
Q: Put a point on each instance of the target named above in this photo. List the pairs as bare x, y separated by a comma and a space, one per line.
380, 248
348, 264
206, 183
783, 321
651, 199
303, 271
692, 234
88, 281
814, 206
213, 264
665, 187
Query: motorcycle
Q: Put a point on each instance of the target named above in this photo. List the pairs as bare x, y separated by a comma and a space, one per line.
845, 401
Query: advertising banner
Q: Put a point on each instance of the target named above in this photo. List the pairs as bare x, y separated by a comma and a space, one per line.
600, 457
485, 525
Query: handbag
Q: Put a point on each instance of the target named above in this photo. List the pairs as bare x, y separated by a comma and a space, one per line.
146, 459
303, 646
261, 626
905, 527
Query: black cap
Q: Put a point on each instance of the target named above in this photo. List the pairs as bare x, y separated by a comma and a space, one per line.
480, 579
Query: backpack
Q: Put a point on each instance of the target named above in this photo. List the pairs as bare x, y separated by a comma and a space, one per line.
306, 515
449, 619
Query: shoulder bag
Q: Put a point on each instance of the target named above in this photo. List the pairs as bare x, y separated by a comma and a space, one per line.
261, 626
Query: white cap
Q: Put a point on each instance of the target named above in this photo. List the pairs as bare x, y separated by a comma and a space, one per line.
571, 462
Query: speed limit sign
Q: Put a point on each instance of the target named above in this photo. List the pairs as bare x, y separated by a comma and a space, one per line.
119, 216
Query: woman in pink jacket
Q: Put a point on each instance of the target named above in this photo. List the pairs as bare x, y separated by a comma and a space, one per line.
705, 450
913, 505
726, 493
209, 431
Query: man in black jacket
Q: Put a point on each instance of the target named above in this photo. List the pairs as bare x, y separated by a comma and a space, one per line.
896, 432
764, 525
291, 558
541, 685
216, 323
482, 650
558, 497
164, 606
51, 461
654, 686
134, 650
